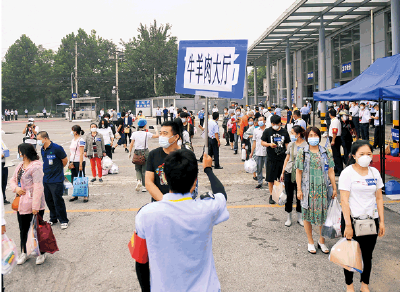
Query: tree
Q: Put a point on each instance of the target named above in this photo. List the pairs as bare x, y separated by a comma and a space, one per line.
261, 74
151, 61
18, 86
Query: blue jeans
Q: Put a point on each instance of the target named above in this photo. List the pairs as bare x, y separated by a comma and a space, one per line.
235, 146
53, 195
261, 161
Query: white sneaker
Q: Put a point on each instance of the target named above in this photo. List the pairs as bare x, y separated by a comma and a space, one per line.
288, 222
40, 259
144, 189
300, 220
138, 185
22, 259
64, 226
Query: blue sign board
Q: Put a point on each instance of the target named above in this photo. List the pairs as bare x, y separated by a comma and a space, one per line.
143, 104
310, 75
346, 68
74, 95
395, 134
215, 68
292, 94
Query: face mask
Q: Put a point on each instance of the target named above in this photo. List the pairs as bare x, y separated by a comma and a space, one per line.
40, 143
164, 142
106, 119
72, 133
344, 118
261, 123
183, 120
334, 105
94, 129
293, 138
237, 113
275, 127
362, 107
313, 141
364, 161
251, 123
20, 158
225, 111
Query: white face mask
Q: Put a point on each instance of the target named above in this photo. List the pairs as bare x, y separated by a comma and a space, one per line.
93, 129
183, 120
364, 161
275, 127
344, 118
362, 107
72, 133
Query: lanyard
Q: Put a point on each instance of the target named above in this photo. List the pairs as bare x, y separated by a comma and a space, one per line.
181, 199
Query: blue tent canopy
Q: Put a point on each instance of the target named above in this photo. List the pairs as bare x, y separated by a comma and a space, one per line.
63, 104
380, 81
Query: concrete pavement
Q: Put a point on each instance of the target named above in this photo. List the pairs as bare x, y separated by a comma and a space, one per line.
253, 250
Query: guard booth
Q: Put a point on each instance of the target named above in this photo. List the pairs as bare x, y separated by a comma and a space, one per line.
85, 107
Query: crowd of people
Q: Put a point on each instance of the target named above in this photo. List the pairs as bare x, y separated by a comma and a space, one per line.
291, 153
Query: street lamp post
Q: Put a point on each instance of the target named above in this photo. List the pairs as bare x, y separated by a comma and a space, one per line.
72, 99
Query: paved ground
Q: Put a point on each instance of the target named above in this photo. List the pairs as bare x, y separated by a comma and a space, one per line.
253, 250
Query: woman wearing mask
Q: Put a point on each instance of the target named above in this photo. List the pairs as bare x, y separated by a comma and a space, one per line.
27, 183
247, 136
76, 160
140, 140
108, 136
361, 197
127, 126
231, 129
314, 170
289, 172
348, 130
225, 125
95, 150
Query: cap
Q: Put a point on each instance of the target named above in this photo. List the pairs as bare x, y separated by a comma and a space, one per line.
142, 122
31, 119
344, 112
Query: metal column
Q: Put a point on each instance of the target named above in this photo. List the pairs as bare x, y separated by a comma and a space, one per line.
294, 83
268, 76
322, 70
255, 84
395, 12
288, 85
246, 89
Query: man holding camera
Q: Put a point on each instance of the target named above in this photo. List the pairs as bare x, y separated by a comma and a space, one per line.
30, 131
174, 235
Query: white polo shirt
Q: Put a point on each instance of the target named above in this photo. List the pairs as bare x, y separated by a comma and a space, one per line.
213, 128
301, 123
178, 232
335, 123
364, 116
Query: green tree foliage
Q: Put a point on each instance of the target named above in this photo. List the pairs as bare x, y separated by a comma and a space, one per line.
35, 77
150, 67
261, 74
18, 81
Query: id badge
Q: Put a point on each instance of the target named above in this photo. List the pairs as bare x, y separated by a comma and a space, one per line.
51, 158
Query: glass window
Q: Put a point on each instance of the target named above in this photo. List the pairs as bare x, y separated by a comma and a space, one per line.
315, 50
356, 34
346, 55
336, 72
336, 43
356, 51
336, 59
347, 75
356, 68
345, 38
315, 76
305, 69
310, 65
310, 52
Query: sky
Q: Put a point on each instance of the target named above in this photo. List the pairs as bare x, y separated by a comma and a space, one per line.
47, 22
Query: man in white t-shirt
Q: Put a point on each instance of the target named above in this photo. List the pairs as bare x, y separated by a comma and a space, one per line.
364, 118
102, 112
335, 137
215, 109
298, 120
258, 151
171, 111
378, 141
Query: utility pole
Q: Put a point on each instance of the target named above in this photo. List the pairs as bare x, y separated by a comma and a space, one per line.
72, 100
76, 71
116, 79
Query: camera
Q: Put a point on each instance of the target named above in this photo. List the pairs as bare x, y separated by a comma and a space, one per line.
30, 123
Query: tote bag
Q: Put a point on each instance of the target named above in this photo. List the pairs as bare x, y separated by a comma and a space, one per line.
81, 185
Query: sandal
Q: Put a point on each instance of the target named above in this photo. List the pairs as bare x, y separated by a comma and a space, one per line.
86, 199
323, 248
311, 249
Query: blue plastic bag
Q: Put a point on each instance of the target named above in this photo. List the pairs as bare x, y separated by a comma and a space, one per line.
81, 185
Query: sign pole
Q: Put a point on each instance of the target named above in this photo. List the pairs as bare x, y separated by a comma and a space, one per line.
206, 128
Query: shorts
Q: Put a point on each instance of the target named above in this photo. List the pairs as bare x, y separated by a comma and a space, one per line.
122, 140
274, 170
